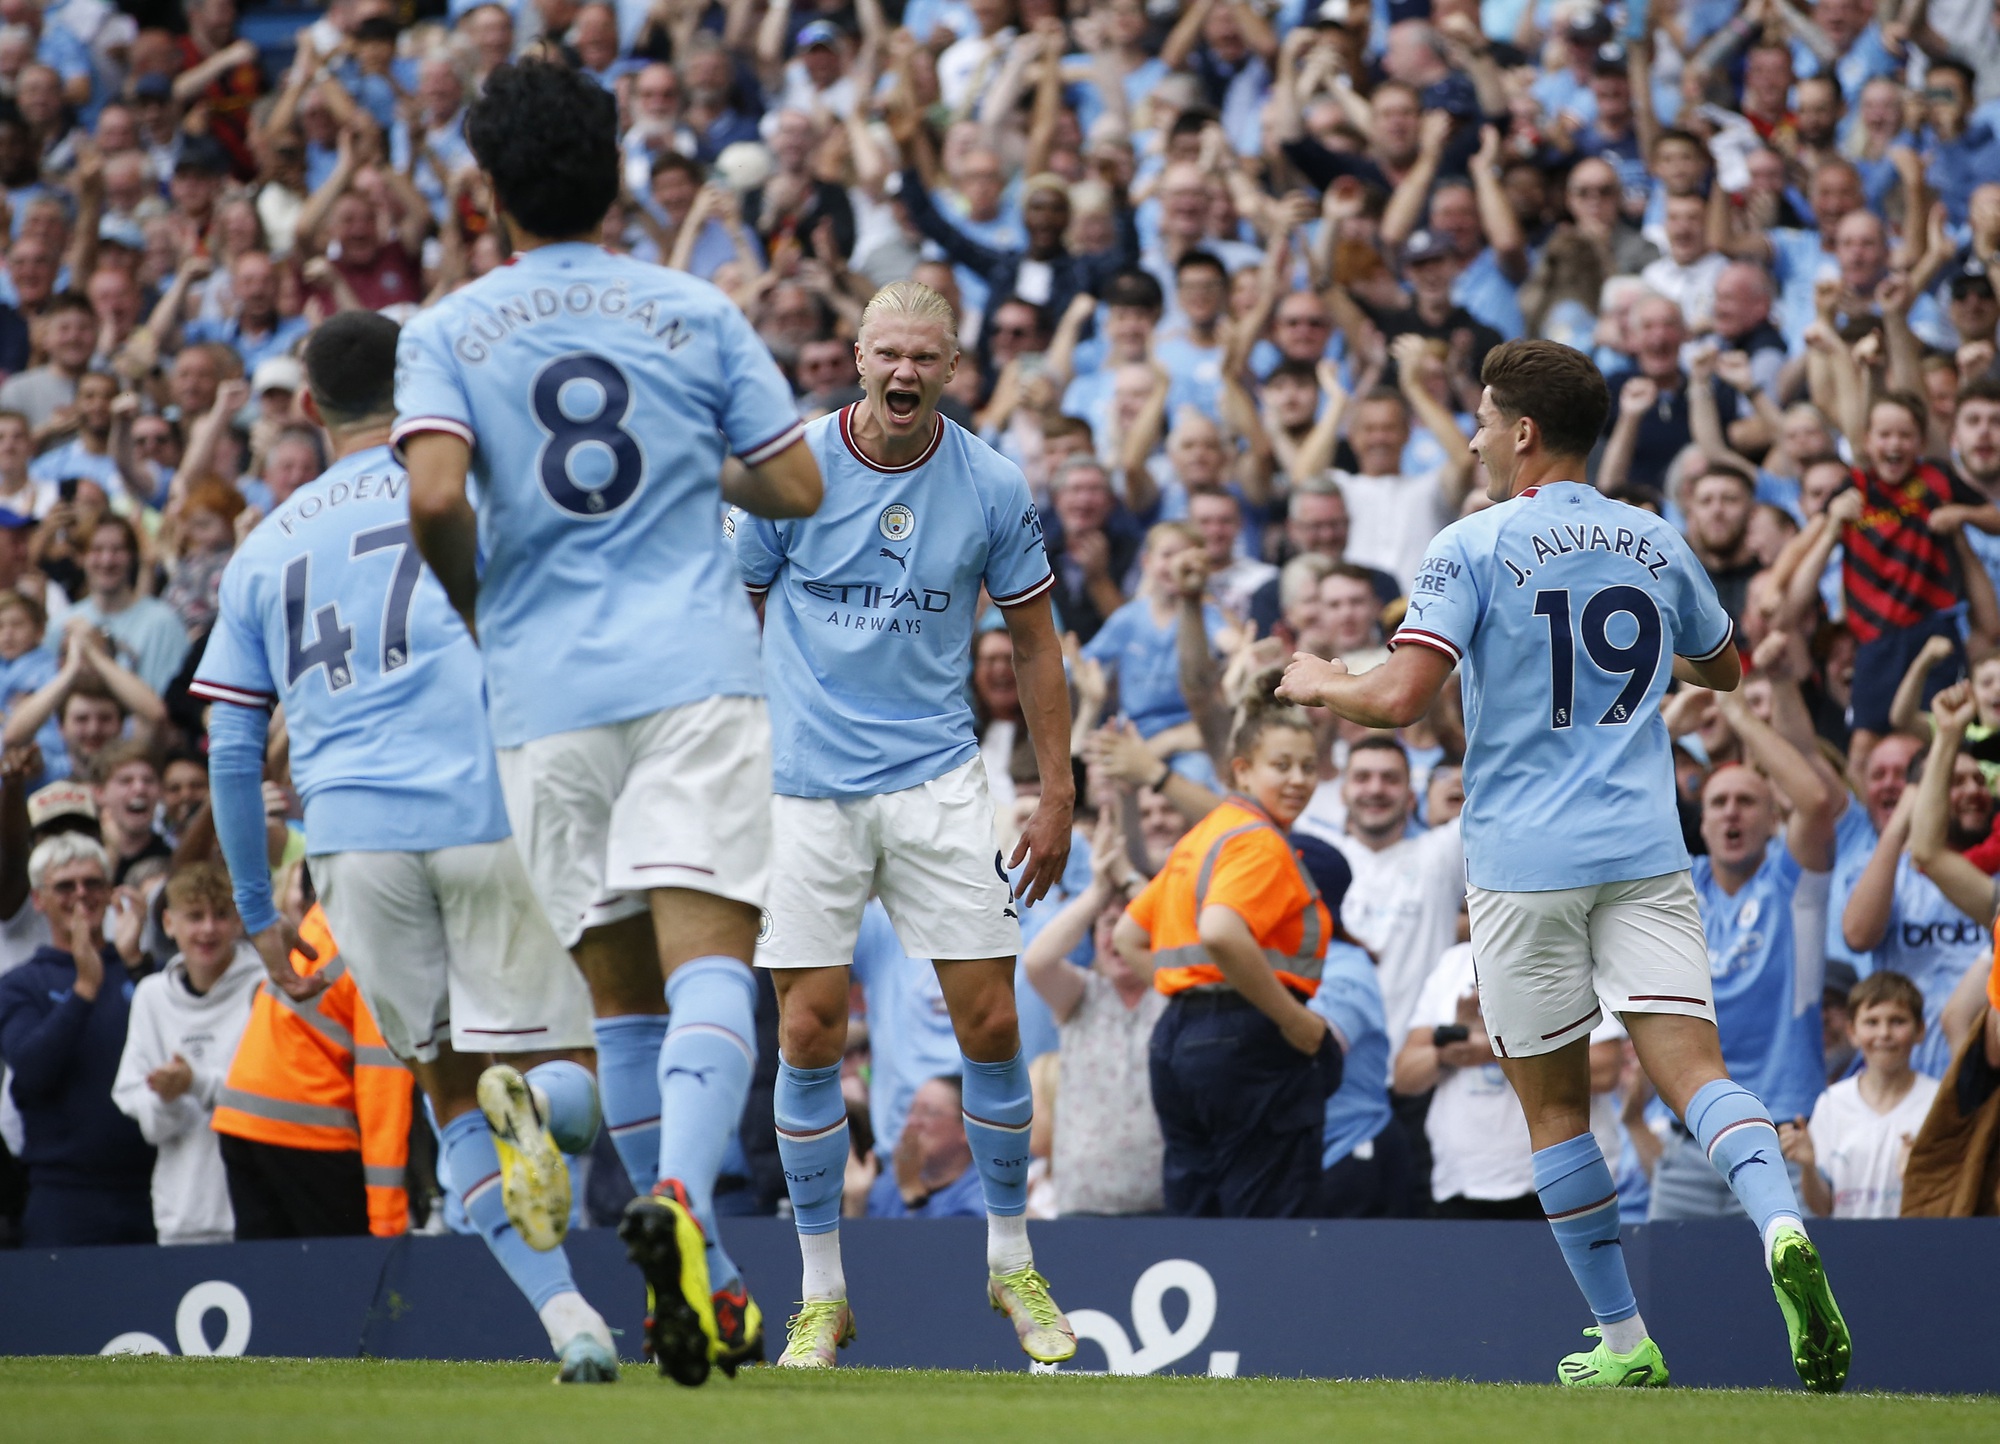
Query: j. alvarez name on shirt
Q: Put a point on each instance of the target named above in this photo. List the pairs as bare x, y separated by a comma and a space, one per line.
368, 486
1562, 541
579, 298
880, 608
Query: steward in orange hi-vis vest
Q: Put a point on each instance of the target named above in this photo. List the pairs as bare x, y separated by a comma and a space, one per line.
1235, 931
315, 1114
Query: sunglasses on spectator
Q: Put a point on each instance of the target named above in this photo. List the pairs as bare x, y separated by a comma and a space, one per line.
1593, 192
71, 886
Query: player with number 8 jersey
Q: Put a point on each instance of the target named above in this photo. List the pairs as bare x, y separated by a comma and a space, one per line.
590, 401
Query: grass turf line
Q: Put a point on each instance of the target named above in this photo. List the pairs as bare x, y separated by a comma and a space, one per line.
221, 1401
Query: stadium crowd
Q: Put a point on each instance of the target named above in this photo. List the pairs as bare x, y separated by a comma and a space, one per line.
1226, 272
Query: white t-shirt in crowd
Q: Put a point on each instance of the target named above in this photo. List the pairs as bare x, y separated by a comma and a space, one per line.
1479, 1139
1862, 1152
1391, 519
1403, 906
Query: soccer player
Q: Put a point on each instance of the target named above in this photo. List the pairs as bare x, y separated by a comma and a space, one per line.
869, 609
589, 398
1569, 614
327, 612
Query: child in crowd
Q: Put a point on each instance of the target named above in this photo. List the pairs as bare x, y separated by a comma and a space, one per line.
1851, 1154
1982, 738
186, 1023
26, 666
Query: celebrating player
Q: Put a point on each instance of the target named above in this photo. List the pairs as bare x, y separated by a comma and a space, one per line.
869, 610
1579, 882
589, 397
328, 612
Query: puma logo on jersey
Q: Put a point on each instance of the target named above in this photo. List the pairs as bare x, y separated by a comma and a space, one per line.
902, 561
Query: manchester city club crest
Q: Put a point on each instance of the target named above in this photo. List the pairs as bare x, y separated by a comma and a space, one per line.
764, 928
897, 522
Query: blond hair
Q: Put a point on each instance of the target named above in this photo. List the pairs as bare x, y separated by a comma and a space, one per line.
914, 301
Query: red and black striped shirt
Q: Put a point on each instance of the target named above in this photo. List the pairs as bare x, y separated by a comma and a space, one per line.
1898, 573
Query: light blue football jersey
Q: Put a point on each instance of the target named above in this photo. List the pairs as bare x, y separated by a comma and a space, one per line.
869, 608
1931, 943
328, 611
599, 395
1565, 610
1767, 968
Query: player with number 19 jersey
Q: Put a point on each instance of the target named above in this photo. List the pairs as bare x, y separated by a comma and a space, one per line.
327, 611
607, 593
1565, 610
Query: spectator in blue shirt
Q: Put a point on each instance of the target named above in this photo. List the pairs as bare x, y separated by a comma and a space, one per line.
1140, 642
931, 1174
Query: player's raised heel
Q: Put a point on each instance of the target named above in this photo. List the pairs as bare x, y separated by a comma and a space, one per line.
1821, 1347
587, 1360
1643, 1368
662, 1237
819, 1330
1044, 1332
739, 1329
534, 1182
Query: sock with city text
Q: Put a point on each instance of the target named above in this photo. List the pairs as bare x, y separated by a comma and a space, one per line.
705, 1068
813, 1144
998, 1111
1575, 1187
628, 1085
1736, 1132
473, 1166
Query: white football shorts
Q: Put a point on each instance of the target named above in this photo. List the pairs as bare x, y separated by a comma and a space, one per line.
680, 798
930, 852
1549, 963
453, 943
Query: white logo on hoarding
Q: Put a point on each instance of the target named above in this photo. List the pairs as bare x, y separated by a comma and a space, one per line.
196, 1304
1158, 1344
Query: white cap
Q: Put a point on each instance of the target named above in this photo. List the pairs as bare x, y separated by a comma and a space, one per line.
277, 373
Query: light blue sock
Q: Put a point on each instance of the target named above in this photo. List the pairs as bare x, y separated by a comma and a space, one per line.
572, 1098
812, 1143
474, 1167
1736, 1132
998, 1111
628, 1084
705, 1068
1581, 1202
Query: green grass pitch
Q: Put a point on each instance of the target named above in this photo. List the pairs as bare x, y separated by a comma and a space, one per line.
298, 1401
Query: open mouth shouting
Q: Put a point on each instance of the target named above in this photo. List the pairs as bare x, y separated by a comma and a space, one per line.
901, 406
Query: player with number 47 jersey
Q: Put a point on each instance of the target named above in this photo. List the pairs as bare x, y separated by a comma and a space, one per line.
328, 612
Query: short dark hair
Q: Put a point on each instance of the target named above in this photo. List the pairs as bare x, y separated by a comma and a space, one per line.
687, 165
1379, 742
68, 301
351, 367
1980, 388
1730, 470
1290, 370
1686, 137
1136, 289
1193, 260
1888, 987
549, 138
1556, 386
1954, 64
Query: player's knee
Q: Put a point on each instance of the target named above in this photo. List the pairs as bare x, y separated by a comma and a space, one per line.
812, 1022
989, 1027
